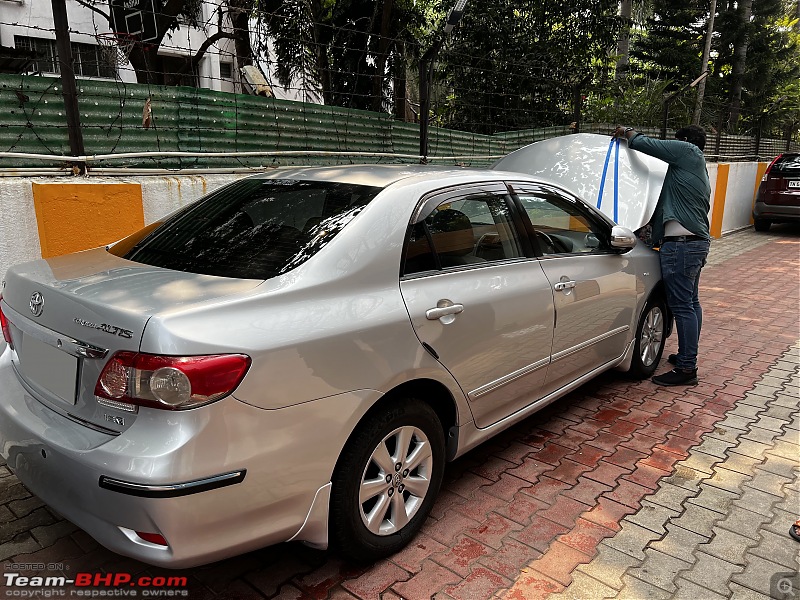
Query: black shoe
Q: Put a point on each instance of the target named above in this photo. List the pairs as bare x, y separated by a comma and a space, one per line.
677, 377
672, 359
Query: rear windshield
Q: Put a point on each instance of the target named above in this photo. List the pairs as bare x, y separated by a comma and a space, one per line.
788, 164
251, 229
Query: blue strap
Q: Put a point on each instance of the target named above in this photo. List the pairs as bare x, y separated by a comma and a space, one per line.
603, 178
615, 144
616, 180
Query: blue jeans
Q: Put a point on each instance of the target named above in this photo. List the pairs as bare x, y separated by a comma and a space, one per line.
681, 263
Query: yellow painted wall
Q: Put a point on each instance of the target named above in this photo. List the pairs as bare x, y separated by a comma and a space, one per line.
79, 216
762, 168
720, 191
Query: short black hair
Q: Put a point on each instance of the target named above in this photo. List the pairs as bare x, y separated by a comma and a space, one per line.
694, 134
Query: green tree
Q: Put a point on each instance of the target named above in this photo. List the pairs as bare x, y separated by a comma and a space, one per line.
515, 65
345, 50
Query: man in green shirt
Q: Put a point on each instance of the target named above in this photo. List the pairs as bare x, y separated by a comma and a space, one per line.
681, 230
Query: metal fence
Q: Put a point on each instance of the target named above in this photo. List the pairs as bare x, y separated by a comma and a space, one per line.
224, 117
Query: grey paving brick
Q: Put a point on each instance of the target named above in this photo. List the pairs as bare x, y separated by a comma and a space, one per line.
781, 519
770, 423
652, 516
609, 565
636, 589
780, 412
780, 466
746, 410
632, 539
767, 391
48, 534
714, 498
688, 590
583, 587
680, 543
726, 434
714, 447
768, 482
711, 572
739, 592
756, 500
772, 381
780, 549
735, 422
758, 574
38, 517
741, 463
660, 570
700, 462
750, 448
792, 438
25, 506
20, 544
728, 480
791, 501
787, 400
729, 546
670, 496
698, 519
744, 522
762, 436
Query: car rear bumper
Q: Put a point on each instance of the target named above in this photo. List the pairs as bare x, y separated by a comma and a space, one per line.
776, 212
288, 455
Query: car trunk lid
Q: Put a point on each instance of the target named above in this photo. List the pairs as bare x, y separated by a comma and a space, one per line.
70, 314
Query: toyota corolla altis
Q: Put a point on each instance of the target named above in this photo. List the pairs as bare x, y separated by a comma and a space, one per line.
297, 355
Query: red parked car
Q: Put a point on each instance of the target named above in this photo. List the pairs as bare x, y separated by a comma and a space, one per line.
778, 199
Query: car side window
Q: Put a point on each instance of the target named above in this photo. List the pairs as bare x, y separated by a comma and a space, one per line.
560, 226
466, 231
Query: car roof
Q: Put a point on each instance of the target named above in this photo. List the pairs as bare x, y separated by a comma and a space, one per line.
373, 175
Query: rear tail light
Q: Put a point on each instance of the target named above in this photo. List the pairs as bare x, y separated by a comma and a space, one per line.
170, 382
6, 326
769, 168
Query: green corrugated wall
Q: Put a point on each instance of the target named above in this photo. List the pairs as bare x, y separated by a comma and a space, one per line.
200, 120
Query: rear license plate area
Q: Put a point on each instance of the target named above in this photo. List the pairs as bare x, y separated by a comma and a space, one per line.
48, 367
795, 183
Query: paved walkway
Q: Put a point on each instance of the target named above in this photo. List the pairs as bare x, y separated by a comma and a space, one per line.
620, 489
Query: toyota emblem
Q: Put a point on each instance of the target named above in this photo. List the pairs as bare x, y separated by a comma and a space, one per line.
37, 304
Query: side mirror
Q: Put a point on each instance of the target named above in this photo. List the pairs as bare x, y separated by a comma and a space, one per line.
622, 238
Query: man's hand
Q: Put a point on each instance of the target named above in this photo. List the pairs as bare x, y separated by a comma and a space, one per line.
623, 132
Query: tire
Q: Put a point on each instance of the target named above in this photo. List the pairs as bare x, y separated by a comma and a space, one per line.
650, 339
761, 224
375, 482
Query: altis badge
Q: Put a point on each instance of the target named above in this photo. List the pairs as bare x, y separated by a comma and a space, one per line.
105, 327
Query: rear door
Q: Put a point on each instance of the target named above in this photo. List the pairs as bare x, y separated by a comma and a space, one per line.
594, 286
477, 301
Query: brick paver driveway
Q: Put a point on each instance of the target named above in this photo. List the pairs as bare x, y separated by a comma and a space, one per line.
519, 514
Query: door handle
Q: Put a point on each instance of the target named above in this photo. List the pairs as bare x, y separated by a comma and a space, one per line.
564, 285
443, 309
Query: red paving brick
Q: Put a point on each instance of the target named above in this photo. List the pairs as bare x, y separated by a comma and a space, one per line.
517, 515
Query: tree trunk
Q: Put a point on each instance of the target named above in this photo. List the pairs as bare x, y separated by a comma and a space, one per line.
624, 42
240, 21
384, 42
739, 64
400, 86
701, 87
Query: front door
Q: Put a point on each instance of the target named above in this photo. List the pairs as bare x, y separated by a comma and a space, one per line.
594, 286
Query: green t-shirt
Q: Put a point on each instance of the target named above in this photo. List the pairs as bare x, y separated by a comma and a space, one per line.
686, 195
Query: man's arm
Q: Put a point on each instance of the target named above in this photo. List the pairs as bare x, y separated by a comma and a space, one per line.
670, 151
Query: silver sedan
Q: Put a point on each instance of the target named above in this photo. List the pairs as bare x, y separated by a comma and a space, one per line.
297, 355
